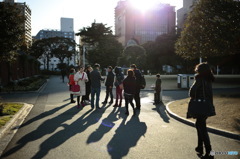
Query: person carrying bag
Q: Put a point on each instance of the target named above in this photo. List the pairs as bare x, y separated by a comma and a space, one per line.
201, 107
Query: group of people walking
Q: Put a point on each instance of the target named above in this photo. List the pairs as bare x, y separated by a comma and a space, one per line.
90, 80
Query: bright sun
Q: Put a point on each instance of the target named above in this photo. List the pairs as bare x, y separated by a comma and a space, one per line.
144, 5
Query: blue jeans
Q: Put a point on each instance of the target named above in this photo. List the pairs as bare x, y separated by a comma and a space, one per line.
93, 92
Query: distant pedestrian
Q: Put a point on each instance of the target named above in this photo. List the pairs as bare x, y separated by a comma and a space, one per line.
95, 85
86, 98
71, 83
129, 86
81, 77
201, 91
119, 86
63, 73
157, 89
109, 85
139, 85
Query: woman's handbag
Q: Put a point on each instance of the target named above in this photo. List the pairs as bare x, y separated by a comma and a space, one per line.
200, 107
75, 88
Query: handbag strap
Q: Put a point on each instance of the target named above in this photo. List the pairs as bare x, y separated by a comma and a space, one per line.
83, 75
204, 96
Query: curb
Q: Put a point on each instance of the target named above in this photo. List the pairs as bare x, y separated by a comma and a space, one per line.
8, 131
213, 130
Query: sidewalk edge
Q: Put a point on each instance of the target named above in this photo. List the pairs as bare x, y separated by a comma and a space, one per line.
213, 130
8, 131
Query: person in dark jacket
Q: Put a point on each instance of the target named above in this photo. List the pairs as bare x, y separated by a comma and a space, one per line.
202, 89
157, 90
96, 79
138, 76
109, 85
119, 86
129, 86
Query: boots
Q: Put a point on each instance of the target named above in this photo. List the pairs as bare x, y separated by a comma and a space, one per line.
72, 101
199, 150
208, 151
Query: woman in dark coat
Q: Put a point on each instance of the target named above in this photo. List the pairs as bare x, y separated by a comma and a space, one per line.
119, 86
200, 90
129, 86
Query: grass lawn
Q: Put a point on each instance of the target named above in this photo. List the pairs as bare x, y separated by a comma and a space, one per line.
7, 110
227, 110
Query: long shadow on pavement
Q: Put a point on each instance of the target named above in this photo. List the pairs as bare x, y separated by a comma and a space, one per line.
126, 136
106, 125
47, 127
44, 114
161, 109
78, 126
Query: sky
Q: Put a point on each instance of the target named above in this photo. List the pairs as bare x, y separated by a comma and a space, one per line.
46, 14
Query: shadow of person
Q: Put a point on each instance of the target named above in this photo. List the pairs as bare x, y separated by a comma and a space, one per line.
43, 115
106, 125
126, 136
77, 126
161, 109
47, 127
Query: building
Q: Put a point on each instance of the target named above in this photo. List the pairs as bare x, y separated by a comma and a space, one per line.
66, 32
131, 23
67, 24
26, 11
50, 33
183, 12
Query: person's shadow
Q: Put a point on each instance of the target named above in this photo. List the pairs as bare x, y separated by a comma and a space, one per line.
106, 125
126, 136
161, 109
47, 127
89, 118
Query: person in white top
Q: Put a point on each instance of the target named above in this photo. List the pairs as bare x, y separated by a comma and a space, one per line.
80, 78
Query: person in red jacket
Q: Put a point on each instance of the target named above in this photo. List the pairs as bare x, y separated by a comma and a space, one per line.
71, 82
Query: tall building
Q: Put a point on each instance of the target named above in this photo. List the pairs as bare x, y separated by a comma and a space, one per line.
66, 32
67, 24
131, 23
26, 11
183, 12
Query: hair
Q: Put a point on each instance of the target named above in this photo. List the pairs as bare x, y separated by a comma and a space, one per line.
72, 70
110, 67
133, 66
80, 67
88, 66
116, 70
158, 75
130, 73
203, 70
96, 65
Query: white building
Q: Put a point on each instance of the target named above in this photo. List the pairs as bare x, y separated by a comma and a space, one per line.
66, 32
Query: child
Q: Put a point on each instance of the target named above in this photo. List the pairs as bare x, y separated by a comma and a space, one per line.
71, 82
157, 89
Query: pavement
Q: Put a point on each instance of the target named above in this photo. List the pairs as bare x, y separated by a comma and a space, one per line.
54, 128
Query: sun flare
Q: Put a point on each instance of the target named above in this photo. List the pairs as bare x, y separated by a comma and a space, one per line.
144, 5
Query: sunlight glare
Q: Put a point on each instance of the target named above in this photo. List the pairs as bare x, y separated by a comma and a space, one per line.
144, 5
